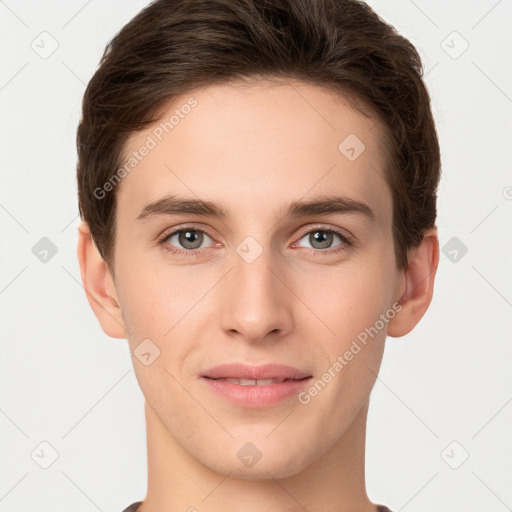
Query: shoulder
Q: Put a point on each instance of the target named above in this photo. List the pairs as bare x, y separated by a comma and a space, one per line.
134, 506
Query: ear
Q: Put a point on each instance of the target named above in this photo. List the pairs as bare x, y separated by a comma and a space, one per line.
99, 285
416, 293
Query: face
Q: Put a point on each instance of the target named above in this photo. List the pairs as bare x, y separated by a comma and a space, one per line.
270, 282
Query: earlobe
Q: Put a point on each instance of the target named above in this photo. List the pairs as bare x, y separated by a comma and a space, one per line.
99, 285
419, 285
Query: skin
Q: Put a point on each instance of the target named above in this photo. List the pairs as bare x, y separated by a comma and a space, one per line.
287, 306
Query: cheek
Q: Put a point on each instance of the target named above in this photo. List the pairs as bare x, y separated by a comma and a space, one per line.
153, 294
155, 313
346, 299
350, 352
165, 305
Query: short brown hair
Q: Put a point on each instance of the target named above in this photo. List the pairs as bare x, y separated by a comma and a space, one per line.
174, 46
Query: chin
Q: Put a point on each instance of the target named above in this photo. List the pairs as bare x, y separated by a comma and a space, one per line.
274, 465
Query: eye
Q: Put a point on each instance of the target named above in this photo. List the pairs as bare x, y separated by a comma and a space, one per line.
186, 240
189, 241
322, 238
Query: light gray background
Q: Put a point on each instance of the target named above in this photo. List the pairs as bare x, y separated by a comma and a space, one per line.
444, 391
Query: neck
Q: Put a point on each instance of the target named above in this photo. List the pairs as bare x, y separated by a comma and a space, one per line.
335, 482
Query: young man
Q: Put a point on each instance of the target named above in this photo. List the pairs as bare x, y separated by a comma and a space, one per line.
257, 183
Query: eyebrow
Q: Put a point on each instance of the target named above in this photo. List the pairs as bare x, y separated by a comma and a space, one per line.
170, 205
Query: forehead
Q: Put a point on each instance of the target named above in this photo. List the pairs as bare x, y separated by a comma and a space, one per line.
255, 144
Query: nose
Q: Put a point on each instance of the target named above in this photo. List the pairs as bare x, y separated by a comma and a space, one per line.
257, 298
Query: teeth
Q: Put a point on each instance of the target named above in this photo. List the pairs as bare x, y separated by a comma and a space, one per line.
252, 382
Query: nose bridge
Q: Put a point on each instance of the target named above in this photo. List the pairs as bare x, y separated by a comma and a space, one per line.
257, 300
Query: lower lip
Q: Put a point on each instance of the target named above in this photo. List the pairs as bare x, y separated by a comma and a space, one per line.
256, 396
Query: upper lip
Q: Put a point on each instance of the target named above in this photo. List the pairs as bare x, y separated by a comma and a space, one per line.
266, 371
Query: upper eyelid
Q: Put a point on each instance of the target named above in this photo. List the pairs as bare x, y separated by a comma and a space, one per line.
322, 227
174, 231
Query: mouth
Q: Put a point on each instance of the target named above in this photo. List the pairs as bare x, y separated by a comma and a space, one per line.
242, 372
257, 382
255, 386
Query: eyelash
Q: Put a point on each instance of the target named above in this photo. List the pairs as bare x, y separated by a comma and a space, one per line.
347, 242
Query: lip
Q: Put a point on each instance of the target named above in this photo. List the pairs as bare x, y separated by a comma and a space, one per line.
266, 371
254, 396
